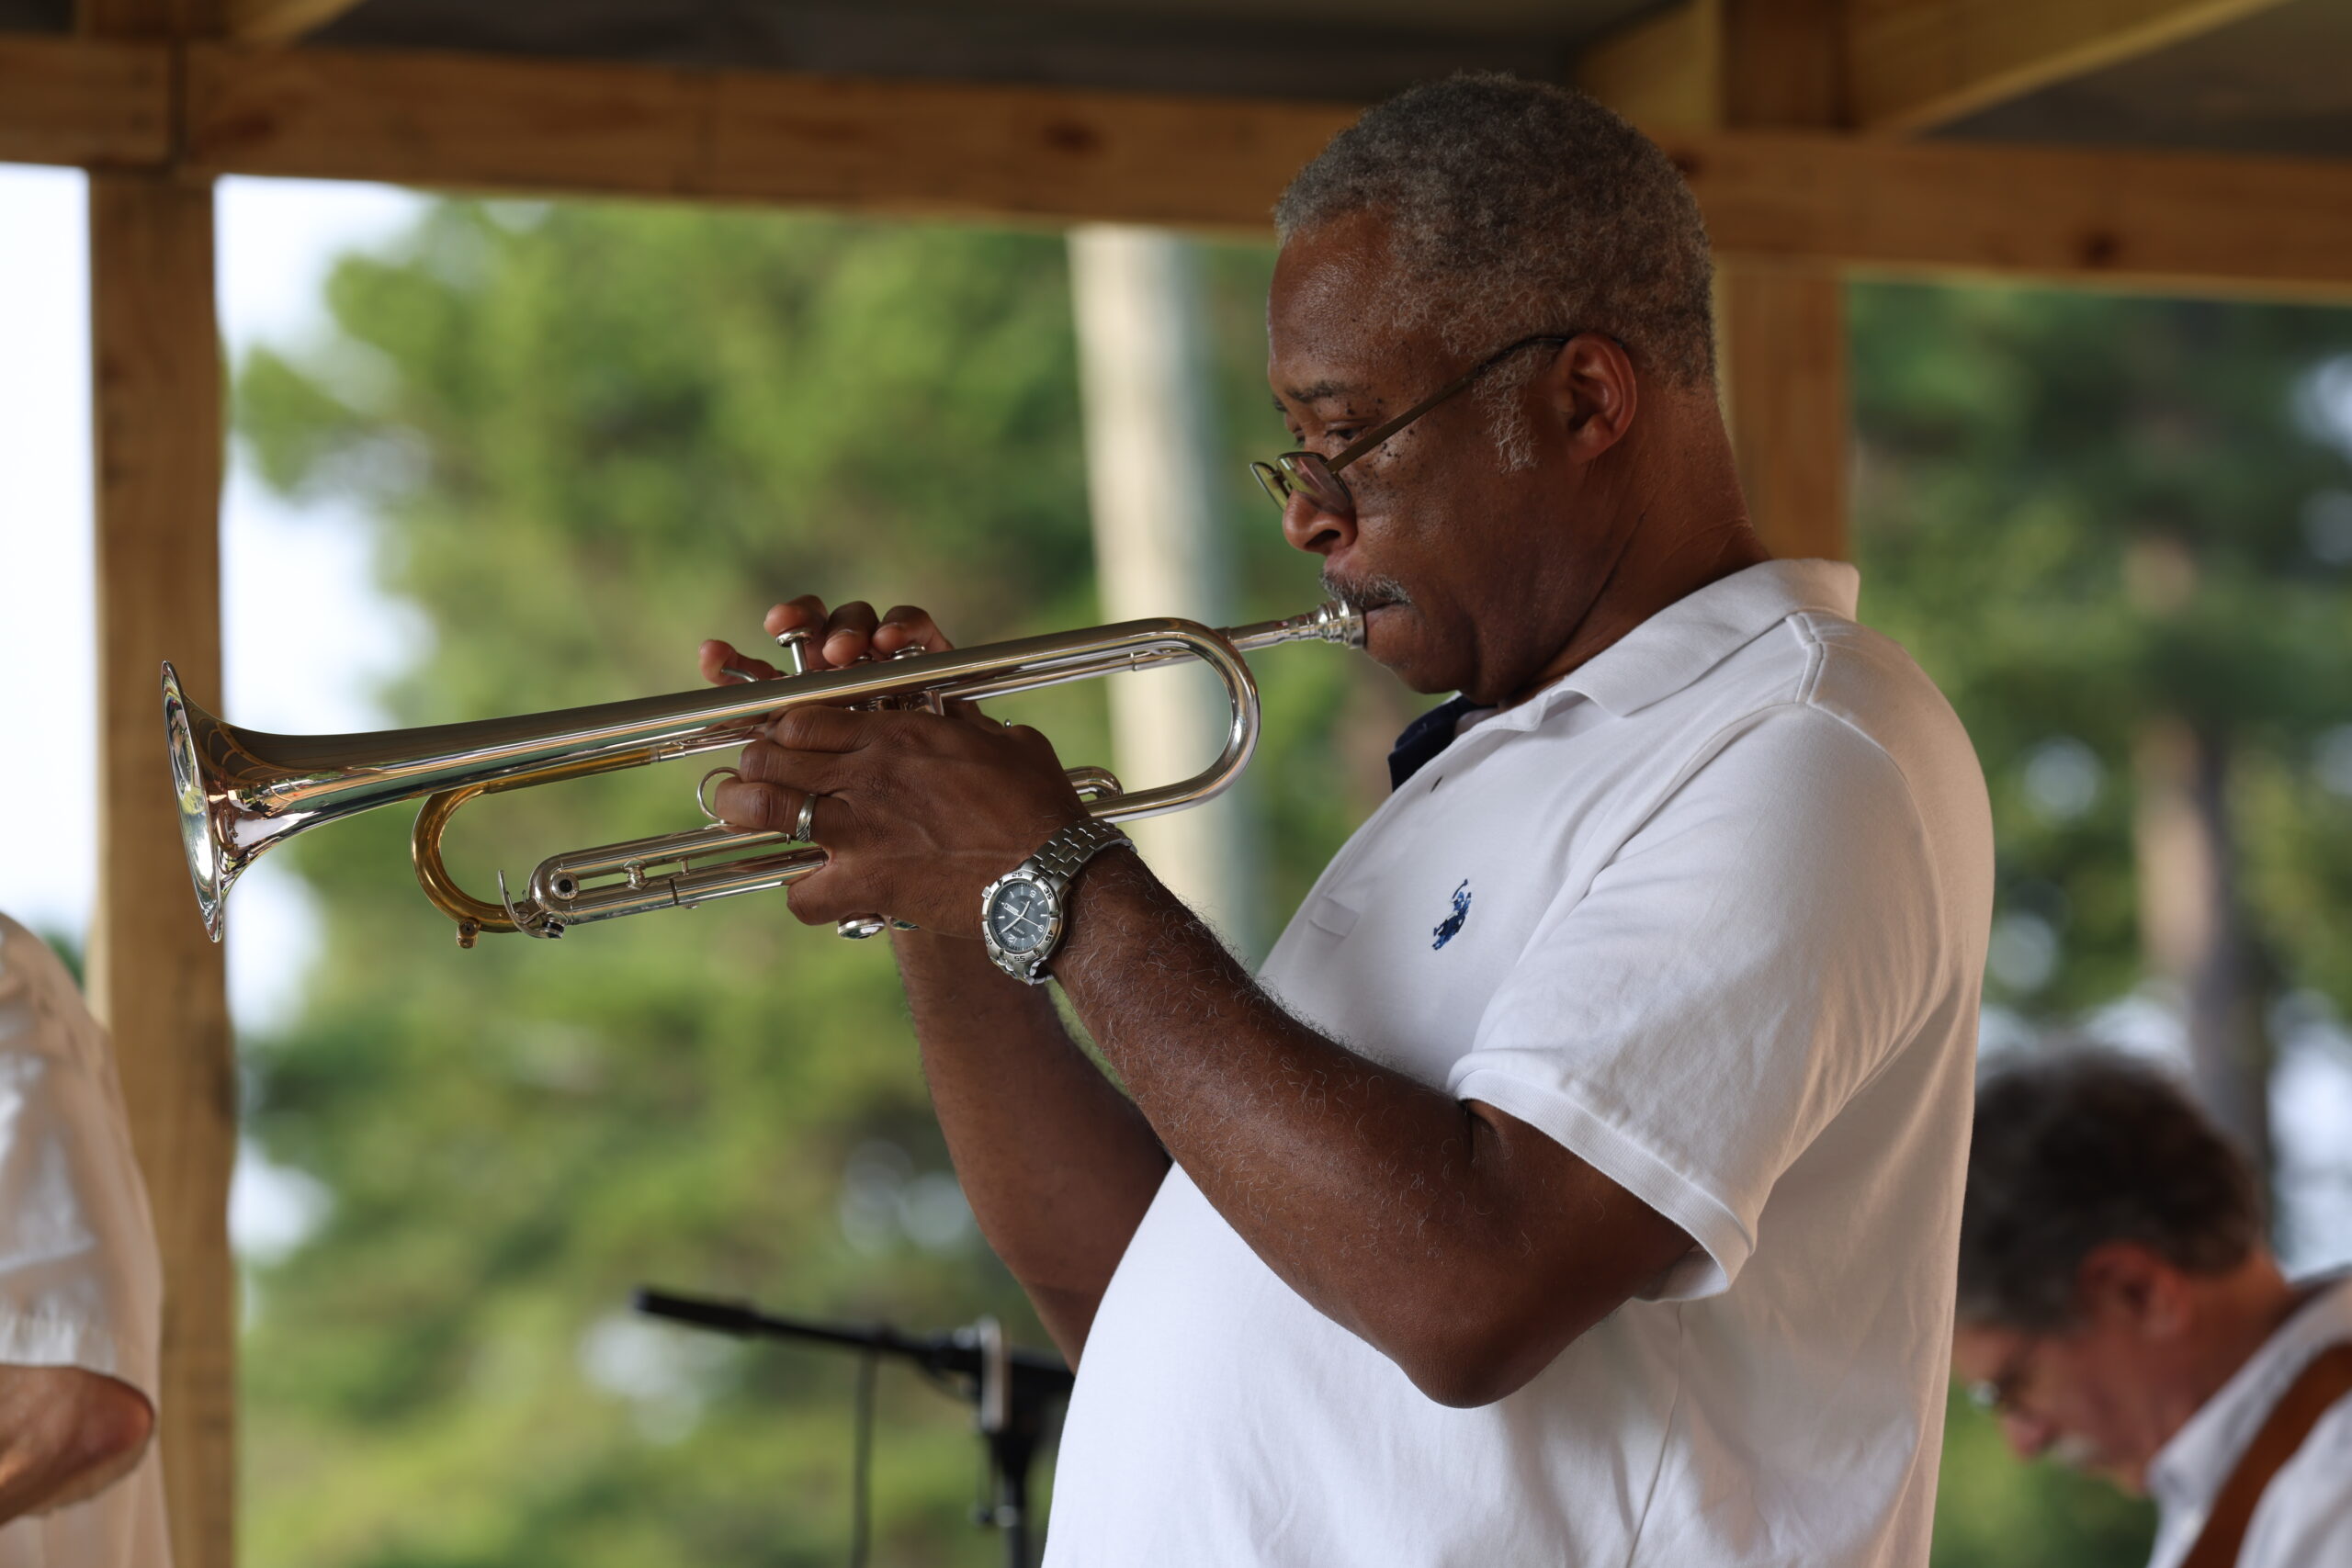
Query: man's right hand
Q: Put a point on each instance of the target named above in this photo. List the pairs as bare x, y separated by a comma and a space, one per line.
840, 638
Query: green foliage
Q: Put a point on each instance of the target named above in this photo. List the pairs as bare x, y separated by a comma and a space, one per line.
1992, 1512
2085, 514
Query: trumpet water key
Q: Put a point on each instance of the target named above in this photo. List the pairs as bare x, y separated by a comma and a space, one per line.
241, 791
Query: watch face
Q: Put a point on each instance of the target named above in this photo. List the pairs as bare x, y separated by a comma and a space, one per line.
1020, 917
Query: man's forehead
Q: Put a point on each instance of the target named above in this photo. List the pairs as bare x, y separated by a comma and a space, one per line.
1331, 317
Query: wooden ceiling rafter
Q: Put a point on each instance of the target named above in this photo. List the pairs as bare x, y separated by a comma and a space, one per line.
1914, 65
279, 21
2128, 220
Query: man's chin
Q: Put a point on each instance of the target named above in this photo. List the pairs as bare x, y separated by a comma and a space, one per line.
2085, 1456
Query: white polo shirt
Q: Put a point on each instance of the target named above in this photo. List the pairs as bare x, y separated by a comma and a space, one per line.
2304, 1519
80, 1281
1710, 912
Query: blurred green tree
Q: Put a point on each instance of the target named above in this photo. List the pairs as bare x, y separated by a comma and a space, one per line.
2114, 531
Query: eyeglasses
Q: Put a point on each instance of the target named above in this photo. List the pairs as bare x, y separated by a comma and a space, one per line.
1316, 477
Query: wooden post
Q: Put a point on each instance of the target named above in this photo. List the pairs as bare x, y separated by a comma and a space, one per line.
1781, 331
157, 983
1782, 338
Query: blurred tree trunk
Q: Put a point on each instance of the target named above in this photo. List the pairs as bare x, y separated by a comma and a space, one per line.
2193, 927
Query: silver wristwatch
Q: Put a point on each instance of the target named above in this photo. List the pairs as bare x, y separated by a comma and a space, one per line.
1025, 913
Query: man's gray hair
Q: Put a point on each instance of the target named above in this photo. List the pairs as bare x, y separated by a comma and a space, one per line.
2079, 1149
1518, 208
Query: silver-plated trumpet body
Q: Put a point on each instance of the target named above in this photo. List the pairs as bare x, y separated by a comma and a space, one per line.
241, 791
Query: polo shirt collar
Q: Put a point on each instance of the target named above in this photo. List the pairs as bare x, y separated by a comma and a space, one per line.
1657, 658
2188, 1471
1699, 631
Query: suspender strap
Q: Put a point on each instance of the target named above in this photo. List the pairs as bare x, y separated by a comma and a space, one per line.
2325, 1380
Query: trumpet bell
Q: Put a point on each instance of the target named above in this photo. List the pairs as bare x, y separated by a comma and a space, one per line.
213, 862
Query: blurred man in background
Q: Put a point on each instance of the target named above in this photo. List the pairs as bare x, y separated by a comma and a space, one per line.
2119, 1311
81, 1288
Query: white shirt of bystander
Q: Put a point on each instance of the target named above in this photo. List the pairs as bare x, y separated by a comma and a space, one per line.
80, 1281
2304, 1519
1711, 912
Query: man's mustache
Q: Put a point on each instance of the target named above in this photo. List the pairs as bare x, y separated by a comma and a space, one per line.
1365, 592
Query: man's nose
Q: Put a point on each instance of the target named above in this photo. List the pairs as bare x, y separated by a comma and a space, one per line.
1316, 529
2027, 1434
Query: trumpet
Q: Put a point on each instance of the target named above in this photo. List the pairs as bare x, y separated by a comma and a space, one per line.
240, 792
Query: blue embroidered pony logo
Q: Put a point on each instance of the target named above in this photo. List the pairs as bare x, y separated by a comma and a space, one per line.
1446, 929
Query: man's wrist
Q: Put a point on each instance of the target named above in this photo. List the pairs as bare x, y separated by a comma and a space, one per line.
1099, 902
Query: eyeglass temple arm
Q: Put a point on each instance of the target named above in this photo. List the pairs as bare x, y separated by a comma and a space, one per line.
1366, 442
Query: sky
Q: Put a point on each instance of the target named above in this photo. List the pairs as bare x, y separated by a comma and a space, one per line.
307, 636
295, 578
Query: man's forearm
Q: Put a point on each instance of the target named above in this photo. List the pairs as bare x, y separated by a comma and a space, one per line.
1403, 1214
1057, 1165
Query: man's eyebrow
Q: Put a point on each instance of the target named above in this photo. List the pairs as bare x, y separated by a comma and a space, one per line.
1315, 392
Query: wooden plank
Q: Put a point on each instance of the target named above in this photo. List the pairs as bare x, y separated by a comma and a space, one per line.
1781, 330
1914, 64
915, 147
2186, 222
1665, 71
1782, 342
95, 102
148, 19
280, 21
157, 983
2175, 222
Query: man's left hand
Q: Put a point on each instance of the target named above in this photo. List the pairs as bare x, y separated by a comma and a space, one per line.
917, 812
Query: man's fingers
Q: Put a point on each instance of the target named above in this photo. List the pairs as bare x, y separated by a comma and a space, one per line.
804, 614
908, 627
718, 658
814, 727
764, 762
849, 632
776, 808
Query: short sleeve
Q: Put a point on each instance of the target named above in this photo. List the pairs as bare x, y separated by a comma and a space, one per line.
1750, 956
80, 1283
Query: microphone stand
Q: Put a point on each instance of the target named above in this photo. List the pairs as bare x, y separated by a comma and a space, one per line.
1011, 1390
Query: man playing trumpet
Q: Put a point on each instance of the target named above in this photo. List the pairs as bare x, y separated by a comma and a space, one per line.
1579, 1179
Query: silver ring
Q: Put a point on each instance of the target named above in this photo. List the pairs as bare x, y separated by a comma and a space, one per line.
803, 824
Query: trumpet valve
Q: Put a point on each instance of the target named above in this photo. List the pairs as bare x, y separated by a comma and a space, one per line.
795, 643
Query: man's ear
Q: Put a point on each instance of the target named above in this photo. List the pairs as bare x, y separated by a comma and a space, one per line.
1592, 388
2134, 1287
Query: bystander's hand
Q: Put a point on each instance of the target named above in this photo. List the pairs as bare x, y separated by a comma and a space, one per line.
66, 1433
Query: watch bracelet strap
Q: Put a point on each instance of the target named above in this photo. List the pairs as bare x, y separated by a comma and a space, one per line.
1072, 847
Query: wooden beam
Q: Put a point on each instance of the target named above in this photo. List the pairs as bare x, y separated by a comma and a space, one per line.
95, 102
1665, 71
1914, 64
2174, 223
2195, 223
157, 983
280, 21
920, 147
